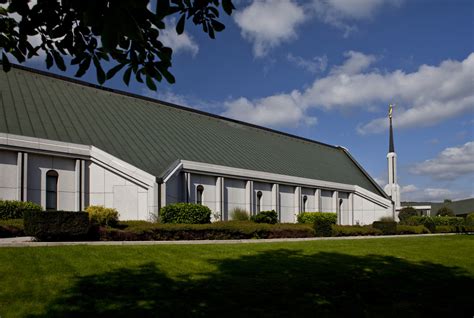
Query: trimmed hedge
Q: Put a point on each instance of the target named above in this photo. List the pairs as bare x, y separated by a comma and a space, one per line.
56, 225
387, 227
412, 229
310, 217
407, 213
11, 228
146, 231
185, 213
469, 221
101, 215
354, 230
323, 222
270, 217
11, 209
432, 222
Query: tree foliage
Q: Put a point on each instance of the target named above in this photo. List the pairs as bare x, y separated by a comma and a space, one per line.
445, 211
124, 32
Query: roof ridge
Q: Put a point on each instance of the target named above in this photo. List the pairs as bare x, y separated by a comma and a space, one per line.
164, 103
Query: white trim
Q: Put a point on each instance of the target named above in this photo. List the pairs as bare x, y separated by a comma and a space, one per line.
71, 150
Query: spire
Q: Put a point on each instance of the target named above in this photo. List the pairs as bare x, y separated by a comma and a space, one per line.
391, 147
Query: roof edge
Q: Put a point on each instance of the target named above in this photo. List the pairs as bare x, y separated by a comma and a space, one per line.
377, 186
163, 103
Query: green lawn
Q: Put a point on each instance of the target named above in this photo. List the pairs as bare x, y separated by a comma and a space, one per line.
402, 277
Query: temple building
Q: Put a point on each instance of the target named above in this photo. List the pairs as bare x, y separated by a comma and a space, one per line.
67, 144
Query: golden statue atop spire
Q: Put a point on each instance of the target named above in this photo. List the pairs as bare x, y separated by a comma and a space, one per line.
390, 110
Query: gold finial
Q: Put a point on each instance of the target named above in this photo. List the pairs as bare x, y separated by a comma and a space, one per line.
390, 110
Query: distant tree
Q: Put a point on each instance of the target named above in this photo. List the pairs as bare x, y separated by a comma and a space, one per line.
445, 211
447, 201
125, 32
406, 213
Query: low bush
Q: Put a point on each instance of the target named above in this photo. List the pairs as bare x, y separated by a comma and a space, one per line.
387, 227
445, 211
56, 225
448, 220
310, 217
101, 215
426, 221
354, 230
270, 217
447, 229
185, 213
411, 229
469, 221
407, 213
431, 222
11, 228
140, 230
11, 209
239, 214
323, 223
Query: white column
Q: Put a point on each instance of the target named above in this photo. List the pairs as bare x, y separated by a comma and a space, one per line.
187, 187
19, 168
275, 197
219, 196
317, 200
77, 187
297, 202
351, 208
163, 194
83, 182
249, 196
25, 177
335, 206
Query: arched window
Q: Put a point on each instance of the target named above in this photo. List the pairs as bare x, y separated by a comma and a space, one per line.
51, 190
259, 201
199, 191
305, 200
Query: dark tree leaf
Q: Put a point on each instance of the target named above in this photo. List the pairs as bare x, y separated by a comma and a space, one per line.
180, 25
6, 63
83, 67
111, 73
150, 83
58, 59
126, 75
49, 60
228, 6
99, 70
217, 25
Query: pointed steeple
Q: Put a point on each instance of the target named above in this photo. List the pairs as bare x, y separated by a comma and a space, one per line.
391, 147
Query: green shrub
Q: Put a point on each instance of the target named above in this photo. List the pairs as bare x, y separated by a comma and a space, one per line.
426, 221
386, 219
239, 214
447, 229
407, 213
387, 227
145, 231
323, 222
187, 213
354, 230
310, 217
101, 215
270, 217
11, 228
411, 229
11, 209
56, 225
469, 221
445, 211
448, 220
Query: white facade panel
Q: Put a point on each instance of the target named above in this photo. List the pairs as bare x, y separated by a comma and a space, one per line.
327, 201
234, 196
175, 189
344, 208
209, 193
287, 204
9, 187
126, 201
310, 204
265, 201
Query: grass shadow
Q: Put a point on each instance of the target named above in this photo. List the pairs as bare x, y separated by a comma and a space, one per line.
276, 283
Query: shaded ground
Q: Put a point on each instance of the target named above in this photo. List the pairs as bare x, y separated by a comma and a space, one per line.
289, 280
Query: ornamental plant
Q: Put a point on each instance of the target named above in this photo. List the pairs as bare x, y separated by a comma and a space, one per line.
188, 213
101, 215
12, 209
270, 217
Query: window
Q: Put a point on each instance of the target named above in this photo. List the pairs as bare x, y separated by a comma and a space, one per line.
199, 191
51, 190
259, 201
305, 200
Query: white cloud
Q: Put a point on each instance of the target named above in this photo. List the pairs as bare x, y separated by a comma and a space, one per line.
179, 43
343, 13
450, 164
429, 95
268, 23
409, 188
380, 181
317, 64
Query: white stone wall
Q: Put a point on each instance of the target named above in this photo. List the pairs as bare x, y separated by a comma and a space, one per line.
9, 175
310, 205
38, 166
234, 196
266, 199
344, 211
175, 191
109, 189
327, 202
366, 211
287, 204
209, 193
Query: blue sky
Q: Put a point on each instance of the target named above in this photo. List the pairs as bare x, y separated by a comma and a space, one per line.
327, 70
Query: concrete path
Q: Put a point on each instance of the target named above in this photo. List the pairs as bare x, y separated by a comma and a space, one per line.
29, 242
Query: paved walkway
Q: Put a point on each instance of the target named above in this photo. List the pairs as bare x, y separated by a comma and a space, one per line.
27, 241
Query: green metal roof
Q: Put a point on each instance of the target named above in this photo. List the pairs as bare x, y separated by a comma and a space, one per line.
151, 134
